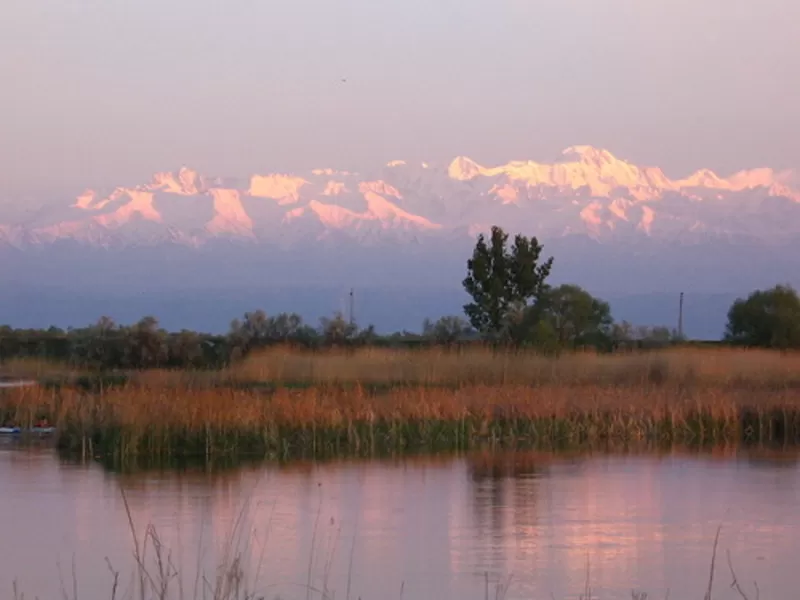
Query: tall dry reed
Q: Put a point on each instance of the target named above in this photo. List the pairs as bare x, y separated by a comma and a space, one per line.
324, 420
438, 366
33, 368
718, 367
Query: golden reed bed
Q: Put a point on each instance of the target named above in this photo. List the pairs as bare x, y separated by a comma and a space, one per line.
716, 367
438, 366
373, 400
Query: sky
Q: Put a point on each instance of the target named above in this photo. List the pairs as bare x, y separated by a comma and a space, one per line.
106, 92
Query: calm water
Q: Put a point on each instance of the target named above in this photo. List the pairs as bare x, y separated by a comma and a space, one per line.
642, 521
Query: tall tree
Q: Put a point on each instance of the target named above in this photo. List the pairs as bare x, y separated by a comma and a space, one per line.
577, 318
503, 282
767, 318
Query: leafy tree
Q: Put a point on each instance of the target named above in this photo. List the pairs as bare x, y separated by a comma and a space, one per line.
96, 345
283, 327
185, 349
337, 330
766, 318
577, 318
253, 329
503, 282
146, 344
624, 334
532, 329
257, 330
446, 330
367, 336
657, 333
566, 316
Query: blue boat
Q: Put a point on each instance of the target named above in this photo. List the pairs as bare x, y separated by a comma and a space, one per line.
18, 430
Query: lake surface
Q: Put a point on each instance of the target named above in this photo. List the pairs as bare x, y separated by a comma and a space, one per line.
434, 527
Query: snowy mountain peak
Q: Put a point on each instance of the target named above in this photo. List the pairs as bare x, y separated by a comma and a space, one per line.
464, 169
284, 188
590, 155
85, 200
189, 180
185, 182
586, 190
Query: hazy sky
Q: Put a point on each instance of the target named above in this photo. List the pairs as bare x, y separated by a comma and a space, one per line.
101, 92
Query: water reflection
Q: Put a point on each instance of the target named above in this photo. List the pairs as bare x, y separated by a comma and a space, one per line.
436, 525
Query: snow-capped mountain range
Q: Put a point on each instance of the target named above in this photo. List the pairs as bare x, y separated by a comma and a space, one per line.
195, 250
585, 191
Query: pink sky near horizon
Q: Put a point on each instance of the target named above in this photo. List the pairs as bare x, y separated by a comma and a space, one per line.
106, 92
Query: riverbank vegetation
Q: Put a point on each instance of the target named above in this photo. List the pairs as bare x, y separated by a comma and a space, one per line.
108, 346
298, 403
454, 367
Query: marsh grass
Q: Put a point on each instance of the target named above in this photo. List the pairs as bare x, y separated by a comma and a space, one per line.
379, 369
31, 368
126, 423
286, 403
725, 367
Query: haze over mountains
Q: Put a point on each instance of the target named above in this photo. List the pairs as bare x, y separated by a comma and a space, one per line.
196, 250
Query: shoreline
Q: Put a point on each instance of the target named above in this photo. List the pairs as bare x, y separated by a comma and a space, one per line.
285, 403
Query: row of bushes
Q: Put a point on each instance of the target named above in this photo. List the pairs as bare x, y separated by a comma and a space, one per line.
107, 346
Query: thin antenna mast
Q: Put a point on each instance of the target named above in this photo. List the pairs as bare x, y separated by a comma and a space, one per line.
352, 306
680, 318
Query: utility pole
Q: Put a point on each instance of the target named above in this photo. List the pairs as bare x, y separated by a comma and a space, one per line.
680, 318
352, 307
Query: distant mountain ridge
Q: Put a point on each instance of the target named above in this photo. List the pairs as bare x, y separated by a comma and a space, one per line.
586, 191
616, 228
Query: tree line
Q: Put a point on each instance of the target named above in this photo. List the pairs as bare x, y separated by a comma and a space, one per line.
511, 304
145, 344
